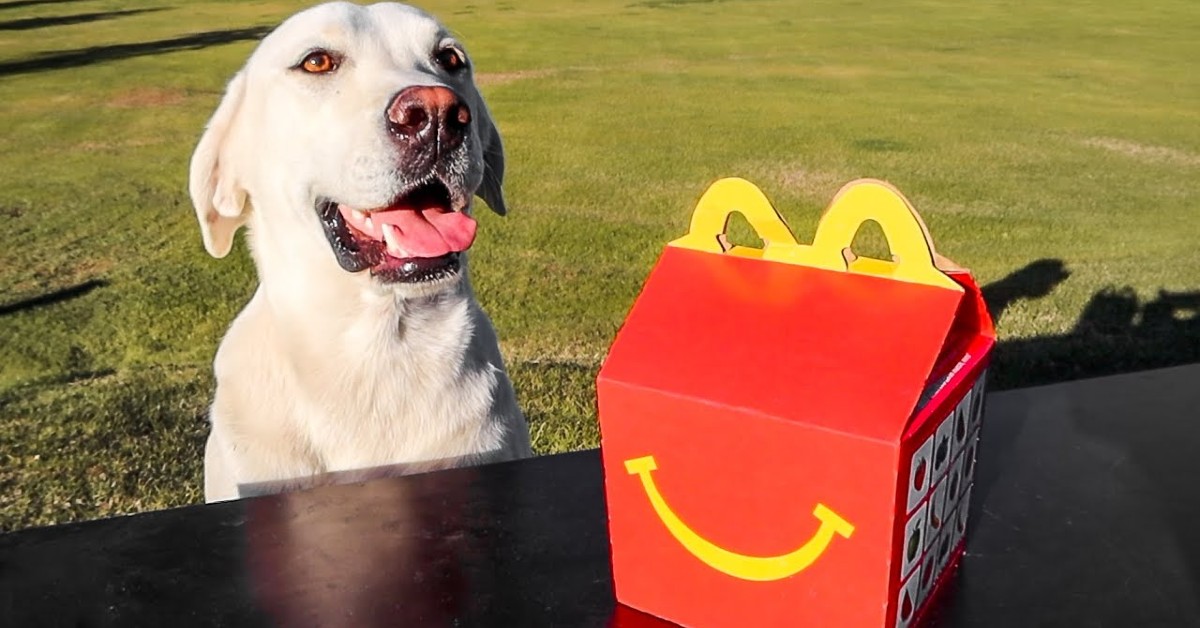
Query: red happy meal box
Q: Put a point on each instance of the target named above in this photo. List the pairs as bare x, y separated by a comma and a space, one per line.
789, 433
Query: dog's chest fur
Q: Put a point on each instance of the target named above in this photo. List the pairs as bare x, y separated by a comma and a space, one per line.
381, 382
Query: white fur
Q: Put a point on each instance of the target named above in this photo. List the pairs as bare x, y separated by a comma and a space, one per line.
328, 374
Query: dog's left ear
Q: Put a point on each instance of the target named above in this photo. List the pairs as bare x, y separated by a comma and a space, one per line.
492, 188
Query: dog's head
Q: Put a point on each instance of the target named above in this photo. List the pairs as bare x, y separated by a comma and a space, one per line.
356, 133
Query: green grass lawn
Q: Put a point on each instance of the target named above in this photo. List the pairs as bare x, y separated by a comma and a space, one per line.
1053, 149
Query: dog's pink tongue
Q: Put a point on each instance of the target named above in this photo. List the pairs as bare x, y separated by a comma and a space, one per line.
428, 232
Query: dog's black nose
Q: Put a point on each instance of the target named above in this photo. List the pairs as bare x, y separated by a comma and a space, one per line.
425, 114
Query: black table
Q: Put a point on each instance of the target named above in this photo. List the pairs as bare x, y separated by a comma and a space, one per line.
1086, 514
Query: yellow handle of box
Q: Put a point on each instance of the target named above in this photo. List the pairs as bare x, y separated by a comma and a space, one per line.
914, 258
719, 202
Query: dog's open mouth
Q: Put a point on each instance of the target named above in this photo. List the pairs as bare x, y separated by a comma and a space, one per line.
417, 238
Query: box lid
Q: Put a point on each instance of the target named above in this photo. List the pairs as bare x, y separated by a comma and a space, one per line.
846, 349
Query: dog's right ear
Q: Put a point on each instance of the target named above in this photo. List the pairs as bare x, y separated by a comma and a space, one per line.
219, 200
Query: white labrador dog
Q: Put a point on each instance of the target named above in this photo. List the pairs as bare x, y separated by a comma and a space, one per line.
351, 145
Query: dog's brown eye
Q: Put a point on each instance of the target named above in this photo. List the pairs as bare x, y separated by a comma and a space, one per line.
319, 62
450, 60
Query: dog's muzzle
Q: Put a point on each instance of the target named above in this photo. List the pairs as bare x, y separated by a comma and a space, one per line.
420, 235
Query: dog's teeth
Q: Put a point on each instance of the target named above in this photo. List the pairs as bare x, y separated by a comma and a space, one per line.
368, 224
391, 235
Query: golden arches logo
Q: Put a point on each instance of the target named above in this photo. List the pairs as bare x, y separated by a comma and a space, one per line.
757, 568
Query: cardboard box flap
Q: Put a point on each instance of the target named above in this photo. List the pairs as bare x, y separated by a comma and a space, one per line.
973, 334
803, 333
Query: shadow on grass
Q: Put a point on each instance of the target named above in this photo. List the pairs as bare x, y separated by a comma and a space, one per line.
58, 296
101, 54
17, 4
1116, 332
1034, 281
32, 23
1149, 439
